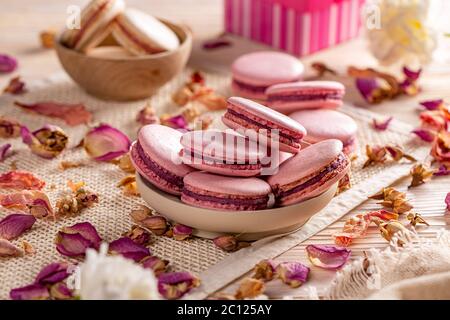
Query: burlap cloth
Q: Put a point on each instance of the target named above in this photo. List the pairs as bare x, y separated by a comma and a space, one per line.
111, 215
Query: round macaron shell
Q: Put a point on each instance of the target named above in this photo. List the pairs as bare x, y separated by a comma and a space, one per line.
134, 28
323, 124
267, 68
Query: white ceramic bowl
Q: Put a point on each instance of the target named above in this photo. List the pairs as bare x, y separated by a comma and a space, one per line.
250, 225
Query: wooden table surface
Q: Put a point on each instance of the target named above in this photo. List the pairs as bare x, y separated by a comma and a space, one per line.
22, 20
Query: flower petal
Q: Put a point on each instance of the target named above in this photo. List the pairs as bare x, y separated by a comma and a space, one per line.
158, 265
7, 63
52, 273
354, 228
4, 150
328, 257
60, 291
425, 135
174, 285
9, 128
129, 249
433, 120
292, 273
72, 114
138, 235
176, 122
181, 232
87, 231
412, 75
13, 225
15, 86
383, 125
30, 292
440, 149
105, 143
216, 43
442, 171
46, 142
35, 202
72, 244
432, 104
265, 270
250, 288
22, 180
367, 87
156, 224
147, 115
7, 249
447, 201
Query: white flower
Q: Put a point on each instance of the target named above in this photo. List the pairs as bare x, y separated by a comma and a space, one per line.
103, 277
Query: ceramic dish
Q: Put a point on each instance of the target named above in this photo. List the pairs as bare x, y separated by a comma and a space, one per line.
251, 225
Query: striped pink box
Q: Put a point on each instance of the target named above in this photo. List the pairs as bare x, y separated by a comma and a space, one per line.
299, 27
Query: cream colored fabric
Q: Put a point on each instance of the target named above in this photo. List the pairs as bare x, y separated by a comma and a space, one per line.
420, 270
111, 216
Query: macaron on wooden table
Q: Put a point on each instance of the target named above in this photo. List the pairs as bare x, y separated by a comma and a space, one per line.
204, 18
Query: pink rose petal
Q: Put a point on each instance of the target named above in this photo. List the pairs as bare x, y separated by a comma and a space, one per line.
367, 86
30, 292
75, 240
14, 225
22, 180
412, 75
52, 273
178, 122
60, 291
129, 249
383, 125
72, 114
15, 86
7, 249
216, 43
4, 151
292, 273
105, 143
87, 231
7, 63
328, 257
181, 232
425, 135
432, 104
442, 171
35, 202
174, 285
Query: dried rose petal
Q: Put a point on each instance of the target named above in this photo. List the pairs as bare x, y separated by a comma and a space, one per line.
7, 63
129, 186
124, 163
158, 265
21, 180
397, 153
375, 154
442, 171
181, 232
250, 288
30, 292
353, 228
433, 120
9, 128
420, 173
176, 122
129, 249
60, 291
4, 150
27, 247
14, 225
72, 114
265, 270
447, 201
292, 273
36, 202
138, 235
389, 229
47, 38
15, 86
138, 215
440, 149
174, 285
432, 104
383, 125
412, 75
203, 122
65, 165
229, 243
424, 134
369, 89
216, 43
415, 218
147, 115
197, 77
105, 143
52, 273
328, 257
156, 224
7, 249
75, 240
321, 69
383, 214
79, 199
47, 142
409, 85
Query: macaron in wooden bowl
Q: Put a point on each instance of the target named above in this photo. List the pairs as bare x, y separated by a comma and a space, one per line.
111, 73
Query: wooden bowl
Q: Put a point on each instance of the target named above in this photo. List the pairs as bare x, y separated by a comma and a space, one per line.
126, 78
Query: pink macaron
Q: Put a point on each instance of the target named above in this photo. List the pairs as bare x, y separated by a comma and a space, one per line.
155, 156
220, 152
243, 114
207, 190
289, 97
309, 173
96, 22
253, 73
323, 124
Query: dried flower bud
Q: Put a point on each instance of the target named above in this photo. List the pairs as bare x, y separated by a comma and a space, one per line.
393, 228
415, 218
264, 270
229, 243
420, 173
140, 214
250, 288
47, 142
174, 285
125, 163
15, 86
397, 153
147, 115
129, 185
9, 128
181, 232
156, 224
138, 235
376, 154
158, 265
292, 273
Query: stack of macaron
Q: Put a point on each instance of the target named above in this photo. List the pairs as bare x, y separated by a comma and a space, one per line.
221, 170
135, 31
274, 79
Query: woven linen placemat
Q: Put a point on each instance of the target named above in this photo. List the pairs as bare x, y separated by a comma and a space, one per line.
111, 216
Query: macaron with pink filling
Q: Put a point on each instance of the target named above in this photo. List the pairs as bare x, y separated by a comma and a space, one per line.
155, 155
244, 114
289, 97
254, 72
309, 173
207, 190
323, 124
221, 152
